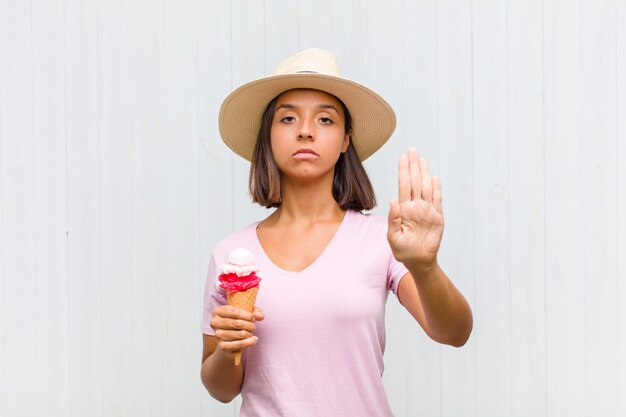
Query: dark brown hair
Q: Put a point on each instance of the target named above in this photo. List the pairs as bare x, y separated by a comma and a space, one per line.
352, 188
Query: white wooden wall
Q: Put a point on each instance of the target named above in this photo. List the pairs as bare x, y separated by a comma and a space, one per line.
114, 186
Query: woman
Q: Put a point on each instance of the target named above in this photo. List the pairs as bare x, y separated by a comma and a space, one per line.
314, 345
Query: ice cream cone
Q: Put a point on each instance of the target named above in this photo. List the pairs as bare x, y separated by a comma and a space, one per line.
244, 300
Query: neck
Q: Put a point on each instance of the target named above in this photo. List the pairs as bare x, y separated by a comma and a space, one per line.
308, 201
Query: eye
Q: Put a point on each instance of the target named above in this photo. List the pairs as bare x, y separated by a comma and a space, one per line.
326, 120
287, 119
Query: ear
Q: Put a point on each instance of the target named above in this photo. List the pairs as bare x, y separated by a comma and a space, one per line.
346, 142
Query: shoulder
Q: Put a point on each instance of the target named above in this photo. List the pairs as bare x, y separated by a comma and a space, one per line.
365, 236
366, 221
366, 229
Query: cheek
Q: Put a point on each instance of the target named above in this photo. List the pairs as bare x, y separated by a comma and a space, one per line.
278, 133
277, 148
274, 140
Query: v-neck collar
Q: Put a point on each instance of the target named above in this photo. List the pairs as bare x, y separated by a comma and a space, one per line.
317, 260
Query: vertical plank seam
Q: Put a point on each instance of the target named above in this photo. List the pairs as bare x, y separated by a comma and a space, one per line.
2, 223
332, 11
617, 211
407, 375
34, 184
298, 20
163, 323
580, 191
195, 296
403, 80
67, 239
134, 401
473, 137
508, 197
231, 154
99, 275
264, 38
298, 32
545, 270
437, 138
166, 344
198, 302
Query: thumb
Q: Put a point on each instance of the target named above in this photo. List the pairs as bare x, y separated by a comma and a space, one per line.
395, 218
258, 313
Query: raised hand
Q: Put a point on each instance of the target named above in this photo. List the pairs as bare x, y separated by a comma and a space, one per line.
416, 219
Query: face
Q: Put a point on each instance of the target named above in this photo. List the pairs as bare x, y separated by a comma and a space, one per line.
308, 133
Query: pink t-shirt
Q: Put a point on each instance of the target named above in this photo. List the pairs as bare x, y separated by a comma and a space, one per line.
321, 344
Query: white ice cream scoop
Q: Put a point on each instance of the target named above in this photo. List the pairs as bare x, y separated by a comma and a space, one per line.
240, 261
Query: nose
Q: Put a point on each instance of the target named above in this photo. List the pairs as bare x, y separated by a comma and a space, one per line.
306, 130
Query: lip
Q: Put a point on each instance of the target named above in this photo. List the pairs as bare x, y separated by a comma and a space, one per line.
305, 154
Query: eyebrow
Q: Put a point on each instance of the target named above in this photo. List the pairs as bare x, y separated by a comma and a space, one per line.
321, 106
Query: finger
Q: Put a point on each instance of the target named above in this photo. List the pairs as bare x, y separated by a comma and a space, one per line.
437, 195
394, 218
427, 182
221, 323
232, 312
404, 179
238, 344
416, 176
258, 314
232, 335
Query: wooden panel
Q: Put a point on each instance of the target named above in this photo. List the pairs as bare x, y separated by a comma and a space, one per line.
598, 186
348, 28
216, 205
491, 211
383, 70
50, 209
396, 67
526, 213
20, 262
147, 348
247, 63
315, 28
181, 208
84, 205
281, 25
414, 381
564, 279
454, 146
116, 154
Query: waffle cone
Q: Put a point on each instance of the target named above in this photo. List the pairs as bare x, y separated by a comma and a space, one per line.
244, 300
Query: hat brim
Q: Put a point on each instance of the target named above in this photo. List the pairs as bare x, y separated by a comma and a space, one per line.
373, 119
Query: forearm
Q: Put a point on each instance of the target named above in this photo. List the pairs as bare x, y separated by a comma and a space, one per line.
447, 313
221, 377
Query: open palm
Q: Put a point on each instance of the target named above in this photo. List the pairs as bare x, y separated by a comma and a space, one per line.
416, 219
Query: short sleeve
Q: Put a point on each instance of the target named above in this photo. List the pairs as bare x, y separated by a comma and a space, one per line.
214, 296
395, 271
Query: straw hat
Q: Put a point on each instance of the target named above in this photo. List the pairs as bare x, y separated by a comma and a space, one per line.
373, 119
